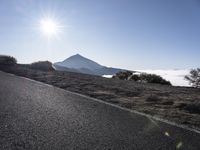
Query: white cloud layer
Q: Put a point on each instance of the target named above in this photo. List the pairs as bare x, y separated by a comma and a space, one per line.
176, 77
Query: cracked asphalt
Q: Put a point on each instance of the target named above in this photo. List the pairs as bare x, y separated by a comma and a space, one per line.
36, 116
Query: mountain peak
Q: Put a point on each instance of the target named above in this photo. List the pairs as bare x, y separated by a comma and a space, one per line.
78, 55
85, 65
77, 62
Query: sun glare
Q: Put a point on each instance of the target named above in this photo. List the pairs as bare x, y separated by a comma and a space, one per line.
49, 27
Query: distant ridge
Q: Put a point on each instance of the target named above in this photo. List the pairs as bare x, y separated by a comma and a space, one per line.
78, 63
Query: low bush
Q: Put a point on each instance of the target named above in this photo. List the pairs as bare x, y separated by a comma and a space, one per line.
123, 75
135, 77
152, 78
194, 77
143, 77
42, 65
7, 60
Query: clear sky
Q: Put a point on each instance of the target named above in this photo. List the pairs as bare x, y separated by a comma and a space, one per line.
131, 34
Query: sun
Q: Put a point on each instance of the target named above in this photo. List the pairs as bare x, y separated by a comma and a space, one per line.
49, 27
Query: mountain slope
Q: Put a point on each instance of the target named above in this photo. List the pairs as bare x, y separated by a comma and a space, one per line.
78, 63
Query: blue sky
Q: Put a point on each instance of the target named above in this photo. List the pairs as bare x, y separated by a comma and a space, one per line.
131, 34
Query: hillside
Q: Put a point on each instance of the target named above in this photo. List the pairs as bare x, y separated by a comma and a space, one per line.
78, 63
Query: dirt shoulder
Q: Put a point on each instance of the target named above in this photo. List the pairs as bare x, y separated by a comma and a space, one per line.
177, 104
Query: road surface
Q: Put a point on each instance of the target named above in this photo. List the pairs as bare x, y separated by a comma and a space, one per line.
34, 115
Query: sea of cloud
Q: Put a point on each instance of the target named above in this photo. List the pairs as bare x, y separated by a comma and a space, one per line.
175, 76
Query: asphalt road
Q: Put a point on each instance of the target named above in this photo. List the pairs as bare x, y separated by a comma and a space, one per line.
37, 116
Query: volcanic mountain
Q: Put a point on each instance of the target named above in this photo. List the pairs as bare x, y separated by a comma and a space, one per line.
78, 63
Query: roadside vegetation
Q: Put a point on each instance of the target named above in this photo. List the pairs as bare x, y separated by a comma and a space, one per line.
194, 77
7, 60
142, 77
42, 65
